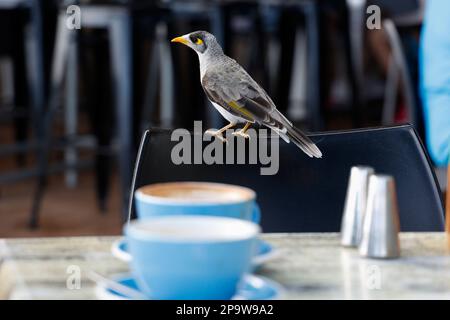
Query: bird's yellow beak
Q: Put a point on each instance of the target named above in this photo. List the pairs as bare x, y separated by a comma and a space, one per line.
180, 40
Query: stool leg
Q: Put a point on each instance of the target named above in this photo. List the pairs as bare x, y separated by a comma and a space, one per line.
20, 100
70, 115
99, 104
19, 55
121, 52
399, 59
150, 89
215, 120
36, 57
59, 61
390, 94
356, 11
166, 77
313, 72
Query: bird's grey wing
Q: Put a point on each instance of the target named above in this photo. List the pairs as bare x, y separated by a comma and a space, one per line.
233, 89
240, 95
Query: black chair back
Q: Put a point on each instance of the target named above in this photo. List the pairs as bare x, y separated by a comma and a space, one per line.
307, 195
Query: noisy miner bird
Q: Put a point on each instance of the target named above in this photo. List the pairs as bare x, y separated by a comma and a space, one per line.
237, 97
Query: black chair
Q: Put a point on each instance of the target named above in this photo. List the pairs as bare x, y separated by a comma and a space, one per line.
307, 195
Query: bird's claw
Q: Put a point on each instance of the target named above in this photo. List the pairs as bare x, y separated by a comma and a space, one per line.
242, 134
217, 134
211, 132
221, 138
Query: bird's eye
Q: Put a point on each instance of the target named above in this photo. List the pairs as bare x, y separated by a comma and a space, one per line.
198, 41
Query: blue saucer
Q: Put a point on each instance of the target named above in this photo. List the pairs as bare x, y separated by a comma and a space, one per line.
253, 288
266, 252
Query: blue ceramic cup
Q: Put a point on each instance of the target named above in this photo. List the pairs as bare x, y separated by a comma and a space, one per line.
191, 257
196, 198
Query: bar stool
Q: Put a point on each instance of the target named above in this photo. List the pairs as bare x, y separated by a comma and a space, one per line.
35, 78
116, 20
159, 74
397, 68
398, 72
356, 25
251, 12
309, 10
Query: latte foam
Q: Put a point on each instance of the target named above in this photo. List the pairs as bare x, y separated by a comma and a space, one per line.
197, 192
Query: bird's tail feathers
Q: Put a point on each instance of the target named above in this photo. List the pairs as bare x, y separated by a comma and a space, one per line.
303, 142
282, 133
288, 132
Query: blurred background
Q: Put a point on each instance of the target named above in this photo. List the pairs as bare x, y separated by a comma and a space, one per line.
81, 80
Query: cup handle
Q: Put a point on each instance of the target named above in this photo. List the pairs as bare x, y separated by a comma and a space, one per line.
119, 252
256, 214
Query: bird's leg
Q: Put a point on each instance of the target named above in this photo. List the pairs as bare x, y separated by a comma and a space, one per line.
242, 132
218, 133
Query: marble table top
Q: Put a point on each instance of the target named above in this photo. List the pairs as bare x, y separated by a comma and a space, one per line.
310, 266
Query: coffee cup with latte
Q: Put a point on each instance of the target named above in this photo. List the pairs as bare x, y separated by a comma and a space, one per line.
196, 198
191, 257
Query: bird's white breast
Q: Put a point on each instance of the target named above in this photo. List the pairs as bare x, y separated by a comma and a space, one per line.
226, 114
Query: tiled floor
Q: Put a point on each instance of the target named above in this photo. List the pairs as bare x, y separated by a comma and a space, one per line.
65, 211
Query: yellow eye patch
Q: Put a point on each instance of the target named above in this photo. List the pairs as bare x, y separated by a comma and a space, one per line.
199, 41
